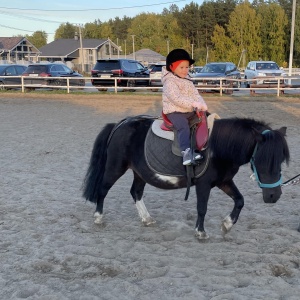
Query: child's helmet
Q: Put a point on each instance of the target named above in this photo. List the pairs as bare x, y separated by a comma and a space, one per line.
175, 55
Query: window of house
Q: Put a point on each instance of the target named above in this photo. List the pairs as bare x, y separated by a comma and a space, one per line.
90, 55
114, 51
107, 49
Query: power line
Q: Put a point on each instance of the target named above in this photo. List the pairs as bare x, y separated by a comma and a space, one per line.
21, 29
92, 9
29, 18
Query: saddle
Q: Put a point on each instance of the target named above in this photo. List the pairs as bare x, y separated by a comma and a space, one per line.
198, 132
162, 139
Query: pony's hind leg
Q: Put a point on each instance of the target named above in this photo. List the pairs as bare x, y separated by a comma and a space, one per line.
109, 179
136, 191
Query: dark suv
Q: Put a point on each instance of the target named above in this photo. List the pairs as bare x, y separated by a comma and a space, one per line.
216, 70
41, 75
106, 70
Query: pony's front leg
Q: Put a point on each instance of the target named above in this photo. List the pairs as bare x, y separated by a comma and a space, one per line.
232, 191
143, 213
202, 192
136, 191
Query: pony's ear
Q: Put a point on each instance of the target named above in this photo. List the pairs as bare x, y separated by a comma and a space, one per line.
282, 130
257, 135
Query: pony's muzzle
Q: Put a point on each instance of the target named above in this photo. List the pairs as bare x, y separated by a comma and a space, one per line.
271, 195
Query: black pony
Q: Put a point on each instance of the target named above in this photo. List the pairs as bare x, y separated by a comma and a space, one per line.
232, 143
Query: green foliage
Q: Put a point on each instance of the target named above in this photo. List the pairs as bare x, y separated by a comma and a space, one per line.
154, 32
224, 47
120, 27
38, 38
92, 30
297, 37
272, 31
223, 29
244, 31
65, 31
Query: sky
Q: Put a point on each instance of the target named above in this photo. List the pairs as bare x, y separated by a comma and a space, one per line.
19, 17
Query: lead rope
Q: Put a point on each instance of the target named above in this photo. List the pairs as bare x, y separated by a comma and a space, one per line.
292, 181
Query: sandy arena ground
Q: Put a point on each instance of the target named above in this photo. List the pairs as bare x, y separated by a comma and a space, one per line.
50, 248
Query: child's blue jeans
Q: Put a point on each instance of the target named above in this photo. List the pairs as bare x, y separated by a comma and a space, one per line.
180, 122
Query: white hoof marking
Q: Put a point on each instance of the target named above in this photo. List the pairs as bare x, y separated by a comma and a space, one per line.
148, 221
201, 235
226, 224
98, 218
143, 213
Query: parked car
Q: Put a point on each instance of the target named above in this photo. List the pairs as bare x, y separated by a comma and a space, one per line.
195, 70
10, 70
217, 70
106, 70
155, 75
260, 69
150, 66
42, 75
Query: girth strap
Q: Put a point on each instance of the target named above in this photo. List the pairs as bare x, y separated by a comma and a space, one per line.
190, 174
190, 169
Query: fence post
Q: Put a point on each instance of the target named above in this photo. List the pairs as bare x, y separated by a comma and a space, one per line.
116, 89
68, 85
22, 83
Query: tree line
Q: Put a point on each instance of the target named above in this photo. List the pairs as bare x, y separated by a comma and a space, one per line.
221, 30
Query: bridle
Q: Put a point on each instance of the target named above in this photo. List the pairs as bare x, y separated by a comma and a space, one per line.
293, 181
255, 175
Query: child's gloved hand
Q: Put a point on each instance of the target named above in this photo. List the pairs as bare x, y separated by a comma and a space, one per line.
200, 106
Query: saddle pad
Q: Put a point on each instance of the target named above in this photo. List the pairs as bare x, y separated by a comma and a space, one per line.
159, 156
166, 134
161, 160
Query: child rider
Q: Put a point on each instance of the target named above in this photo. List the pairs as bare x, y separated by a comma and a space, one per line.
180, 98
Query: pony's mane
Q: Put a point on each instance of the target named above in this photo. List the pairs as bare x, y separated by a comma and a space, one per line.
233, 139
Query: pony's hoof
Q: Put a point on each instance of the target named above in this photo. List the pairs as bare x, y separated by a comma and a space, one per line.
98, 218
226, 225
148, 221
201, 235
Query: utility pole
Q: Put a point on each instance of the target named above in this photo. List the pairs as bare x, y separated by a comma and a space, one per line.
242, 55
292, 39
168, 46
81, 48
192, 51
125, 47
133, 50
207, 55
118, 48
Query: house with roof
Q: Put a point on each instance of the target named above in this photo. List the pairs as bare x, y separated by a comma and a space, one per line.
82, 53
147, 56
13, 49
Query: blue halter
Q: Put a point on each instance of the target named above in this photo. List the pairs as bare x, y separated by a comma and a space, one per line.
260, 184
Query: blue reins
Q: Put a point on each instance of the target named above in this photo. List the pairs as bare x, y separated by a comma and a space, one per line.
260, 184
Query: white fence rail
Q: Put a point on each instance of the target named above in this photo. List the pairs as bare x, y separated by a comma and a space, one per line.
223, 85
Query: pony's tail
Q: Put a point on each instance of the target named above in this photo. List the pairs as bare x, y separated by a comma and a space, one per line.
93, 178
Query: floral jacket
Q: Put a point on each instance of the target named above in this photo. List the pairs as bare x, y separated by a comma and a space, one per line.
178, 93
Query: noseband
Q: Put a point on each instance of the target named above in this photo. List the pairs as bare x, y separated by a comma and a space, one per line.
255, 175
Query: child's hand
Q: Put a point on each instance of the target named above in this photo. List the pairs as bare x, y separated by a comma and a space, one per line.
200, 106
